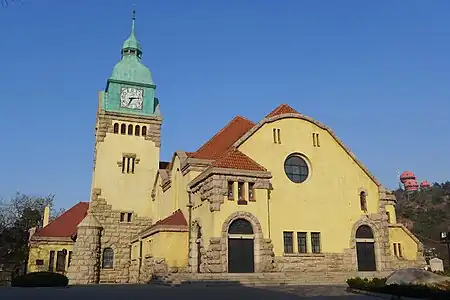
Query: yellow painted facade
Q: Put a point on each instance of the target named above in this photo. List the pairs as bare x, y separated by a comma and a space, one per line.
130, 192
39, 256
406, 247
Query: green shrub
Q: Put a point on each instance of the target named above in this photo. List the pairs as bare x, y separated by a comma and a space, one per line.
40, 279
378, 285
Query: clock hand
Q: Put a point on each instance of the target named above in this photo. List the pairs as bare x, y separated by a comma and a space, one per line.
131, 99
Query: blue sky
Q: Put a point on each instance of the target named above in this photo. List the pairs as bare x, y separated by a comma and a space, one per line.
376, 72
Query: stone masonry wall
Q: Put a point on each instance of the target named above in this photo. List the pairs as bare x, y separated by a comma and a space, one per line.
116, 235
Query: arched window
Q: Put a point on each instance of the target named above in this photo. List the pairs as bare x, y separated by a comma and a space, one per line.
137, 130
130, 129
108, 258
116, 127
364, 232
144, 130
123, 128
296, 168
363, 200
240, 226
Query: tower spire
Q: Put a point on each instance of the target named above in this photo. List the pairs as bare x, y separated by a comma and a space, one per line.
131, 44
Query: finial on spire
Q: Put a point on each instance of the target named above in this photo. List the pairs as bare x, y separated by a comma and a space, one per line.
134, 12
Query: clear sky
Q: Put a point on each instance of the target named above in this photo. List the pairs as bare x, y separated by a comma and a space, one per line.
376, 72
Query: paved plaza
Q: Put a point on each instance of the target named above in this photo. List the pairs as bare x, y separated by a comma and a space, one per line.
135, 292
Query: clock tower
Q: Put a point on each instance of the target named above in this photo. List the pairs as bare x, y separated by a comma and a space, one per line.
127, 143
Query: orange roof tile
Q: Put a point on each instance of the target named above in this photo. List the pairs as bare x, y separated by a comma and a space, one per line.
282, 109
224, 139
235, 159
66, 224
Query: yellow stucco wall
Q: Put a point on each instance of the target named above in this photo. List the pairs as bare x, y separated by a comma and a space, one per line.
127, 192
328, 201
173, 246
409, 247
42, 252
392, 215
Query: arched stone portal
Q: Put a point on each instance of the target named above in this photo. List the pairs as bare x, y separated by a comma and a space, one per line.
365, 249
241, 247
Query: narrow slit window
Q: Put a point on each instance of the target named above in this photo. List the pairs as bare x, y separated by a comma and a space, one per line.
130, 129
395, 249
122, 217
133, 161
279, 136
116, 127
123, 128
274, 136
399, 246
251, 191
241, 191
301, 242
51, 261
70, 259
230, 190
314, 139
144, 130
288, 241
388, 217
129, 217
123, 164
128, 164
317, 140
315, 242
137, 130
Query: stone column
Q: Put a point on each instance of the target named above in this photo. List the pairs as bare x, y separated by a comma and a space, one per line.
85, 265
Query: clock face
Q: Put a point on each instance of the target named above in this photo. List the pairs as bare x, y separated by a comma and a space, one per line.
131, 98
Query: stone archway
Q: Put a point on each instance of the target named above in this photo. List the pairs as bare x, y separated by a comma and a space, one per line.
258, 240
379, 240
241, 253
365, 249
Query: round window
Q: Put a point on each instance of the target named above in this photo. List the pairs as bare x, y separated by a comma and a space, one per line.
296, 168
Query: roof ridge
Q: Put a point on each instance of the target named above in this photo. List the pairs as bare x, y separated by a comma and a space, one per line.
221, 131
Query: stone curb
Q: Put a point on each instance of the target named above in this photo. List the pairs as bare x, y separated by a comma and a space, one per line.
380, 295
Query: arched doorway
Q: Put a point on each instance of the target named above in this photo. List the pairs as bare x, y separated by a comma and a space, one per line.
241, 247
365, 249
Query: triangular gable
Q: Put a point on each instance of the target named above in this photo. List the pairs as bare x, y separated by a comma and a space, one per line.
282, 109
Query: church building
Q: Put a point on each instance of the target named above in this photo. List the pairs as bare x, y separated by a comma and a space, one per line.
278, 194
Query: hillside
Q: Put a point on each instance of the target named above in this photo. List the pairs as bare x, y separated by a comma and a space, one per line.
426, 213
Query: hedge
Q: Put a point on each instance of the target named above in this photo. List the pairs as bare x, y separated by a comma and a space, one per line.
378, 285
40, 279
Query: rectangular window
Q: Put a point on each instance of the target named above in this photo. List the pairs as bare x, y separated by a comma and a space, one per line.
241, 194
123, 164
317, 140
399, 246
129, 217
388, 217
274, 136
128, 164
230, 190
315, 242
122, 217
251, 191
51, 261
39, 262
301, 242
60, 261
279, 136
288, 241
314, 139
395, 249
70, 259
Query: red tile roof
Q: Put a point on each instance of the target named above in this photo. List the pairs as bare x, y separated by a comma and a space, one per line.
224, 139
235, 159
282, 109
176, 218
66, 224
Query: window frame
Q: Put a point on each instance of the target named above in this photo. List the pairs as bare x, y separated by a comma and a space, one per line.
108, 259
289, 168
302, 236
286, 236
316, 242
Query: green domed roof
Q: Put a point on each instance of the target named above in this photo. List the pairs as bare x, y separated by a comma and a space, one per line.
130, 68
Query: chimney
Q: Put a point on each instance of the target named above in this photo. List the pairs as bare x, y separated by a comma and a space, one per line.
46, 216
